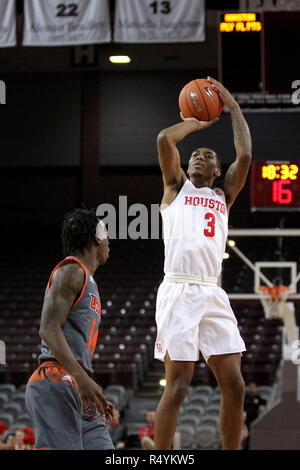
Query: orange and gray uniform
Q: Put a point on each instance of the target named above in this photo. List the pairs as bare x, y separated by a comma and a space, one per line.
51, 396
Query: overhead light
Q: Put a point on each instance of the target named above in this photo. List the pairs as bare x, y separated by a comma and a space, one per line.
231, 242
226, 255
162, 382
119, 59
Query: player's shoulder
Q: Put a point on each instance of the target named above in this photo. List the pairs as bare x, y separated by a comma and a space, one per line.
219, 192
69, 274
71, 267
171, 191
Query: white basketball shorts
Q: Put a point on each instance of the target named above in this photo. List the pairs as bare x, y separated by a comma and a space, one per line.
192, 317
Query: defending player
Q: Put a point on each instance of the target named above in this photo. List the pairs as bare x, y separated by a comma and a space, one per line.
192, 312
64, 402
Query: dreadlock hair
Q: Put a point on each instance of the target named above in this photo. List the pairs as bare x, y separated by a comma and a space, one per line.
78, 231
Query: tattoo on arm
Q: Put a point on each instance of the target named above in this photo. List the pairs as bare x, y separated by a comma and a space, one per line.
71, 282
237, 172
241, 132
66, 285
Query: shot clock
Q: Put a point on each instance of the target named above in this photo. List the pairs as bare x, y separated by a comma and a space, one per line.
275, 186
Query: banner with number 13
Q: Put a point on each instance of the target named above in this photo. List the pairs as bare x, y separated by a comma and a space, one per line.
147, 21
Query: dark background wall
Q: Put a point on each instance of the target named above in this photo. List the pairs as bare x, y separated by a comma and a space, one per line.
41, 123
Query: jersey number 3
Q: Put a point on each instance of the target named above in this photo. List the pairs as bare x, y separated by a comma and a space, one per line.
211, 221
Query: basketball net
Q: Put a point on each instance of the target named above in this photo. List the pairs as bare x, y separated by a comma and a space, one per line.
273, 300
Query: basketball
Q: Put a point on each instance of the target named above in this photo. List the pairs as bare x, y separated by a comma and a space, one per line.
199, 100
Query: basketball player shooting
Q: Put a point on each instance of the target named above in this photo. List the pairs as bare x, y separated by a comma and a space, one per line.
192, 312
66, 405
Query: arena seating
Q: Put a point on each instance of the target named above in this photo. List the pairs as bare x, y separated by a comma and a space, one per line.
12, 407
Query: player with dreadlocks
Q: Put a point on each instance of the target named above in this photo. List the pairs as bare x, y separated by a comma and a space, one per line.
66, 405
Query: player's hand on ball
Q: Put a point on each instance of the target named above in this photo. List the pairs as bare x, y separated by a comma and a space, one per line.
224, 94
200, 124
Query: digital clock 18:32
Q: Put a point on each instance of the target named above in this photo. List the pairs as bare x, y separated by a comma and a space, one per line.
275, 186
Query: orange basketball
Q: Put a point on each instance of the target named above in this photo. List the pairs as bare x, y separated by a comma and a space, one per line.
198, 99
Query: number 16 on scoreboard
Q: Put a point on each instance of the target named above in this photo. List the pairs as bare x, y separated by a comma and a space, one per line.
280, 194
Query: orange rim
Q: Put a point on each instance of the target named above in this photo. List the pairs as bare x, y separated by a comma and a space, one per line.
275, 292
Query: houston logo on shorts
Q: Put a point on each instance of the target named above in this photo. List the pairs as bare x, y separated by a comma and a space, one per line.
95, 304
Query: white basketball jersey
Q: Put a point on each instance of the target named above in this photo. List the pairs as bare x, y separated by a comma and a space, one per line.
195, 228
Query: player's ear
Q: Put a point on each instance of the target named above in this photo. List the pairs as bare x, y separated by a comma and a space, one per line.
97, 241
218, 172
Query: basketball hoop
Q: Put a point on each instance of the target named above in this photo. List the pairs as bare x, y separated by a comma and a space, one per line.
273, 300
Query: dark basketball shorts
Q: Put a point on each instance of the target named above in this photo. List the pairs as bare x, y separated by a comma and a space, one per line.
54, 406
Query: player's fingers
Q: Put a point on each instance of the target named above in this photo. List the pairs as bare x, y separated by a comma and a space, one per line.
182, 117
101, 400
188, 118
84, 410
92, 408
99, 406
213, 80
109, 410
216, 88
109, 417
222, 92
110, 407
210, 123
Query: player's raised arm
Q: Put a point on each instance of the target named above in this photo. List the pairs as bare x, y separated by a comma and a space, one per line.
236, 174
169, 158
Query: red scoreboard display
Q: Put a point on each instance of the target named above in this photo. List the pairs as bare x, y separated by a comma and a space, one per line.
275, 186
